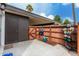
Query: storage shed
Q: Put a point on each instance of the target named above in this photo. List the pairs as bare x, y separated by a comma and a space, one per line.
16, 22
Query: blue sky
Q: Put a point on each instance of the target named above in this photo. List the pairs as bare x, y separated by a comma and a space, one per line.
49, 10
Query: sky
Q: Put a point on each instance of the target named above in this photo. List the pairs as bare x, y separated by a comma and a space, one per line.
49, 10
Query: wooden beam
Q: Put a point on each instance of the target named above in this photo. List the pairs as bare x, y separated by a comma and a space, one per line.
52, 26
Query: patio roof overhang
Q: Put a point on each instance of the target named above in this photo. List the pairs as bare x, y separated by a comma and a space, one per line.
34, 19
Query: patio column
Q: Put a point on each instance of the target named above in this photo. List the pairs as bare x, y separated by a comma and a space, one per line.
2, 11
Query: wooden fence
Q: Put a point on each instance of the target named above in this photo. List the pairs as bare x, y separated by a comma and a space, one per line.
78, 39
54, 33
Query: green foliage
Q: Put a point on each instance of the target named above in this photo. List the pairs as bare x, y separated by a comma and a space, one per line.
66, 21
58, 19
29, 8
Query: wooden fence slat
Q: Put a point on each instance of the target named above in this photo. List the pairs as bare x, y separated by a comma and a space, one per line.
78, 39
36, 32
50, 33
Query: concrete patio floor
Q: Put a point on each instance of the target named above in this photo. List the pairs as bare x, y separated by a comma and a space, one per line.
38, 48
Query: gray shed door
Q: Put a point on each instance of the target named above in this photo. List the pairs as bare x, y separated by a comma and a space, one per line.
11, 28
16, 28
23, 29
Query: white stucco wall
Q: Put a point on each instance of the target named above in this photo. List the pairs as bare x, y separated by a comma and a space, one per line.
2, 28
2, 31
0, 25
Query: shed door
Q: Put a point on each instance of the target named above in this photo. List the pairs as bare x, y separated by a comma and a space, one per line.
11, 28
23, 29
